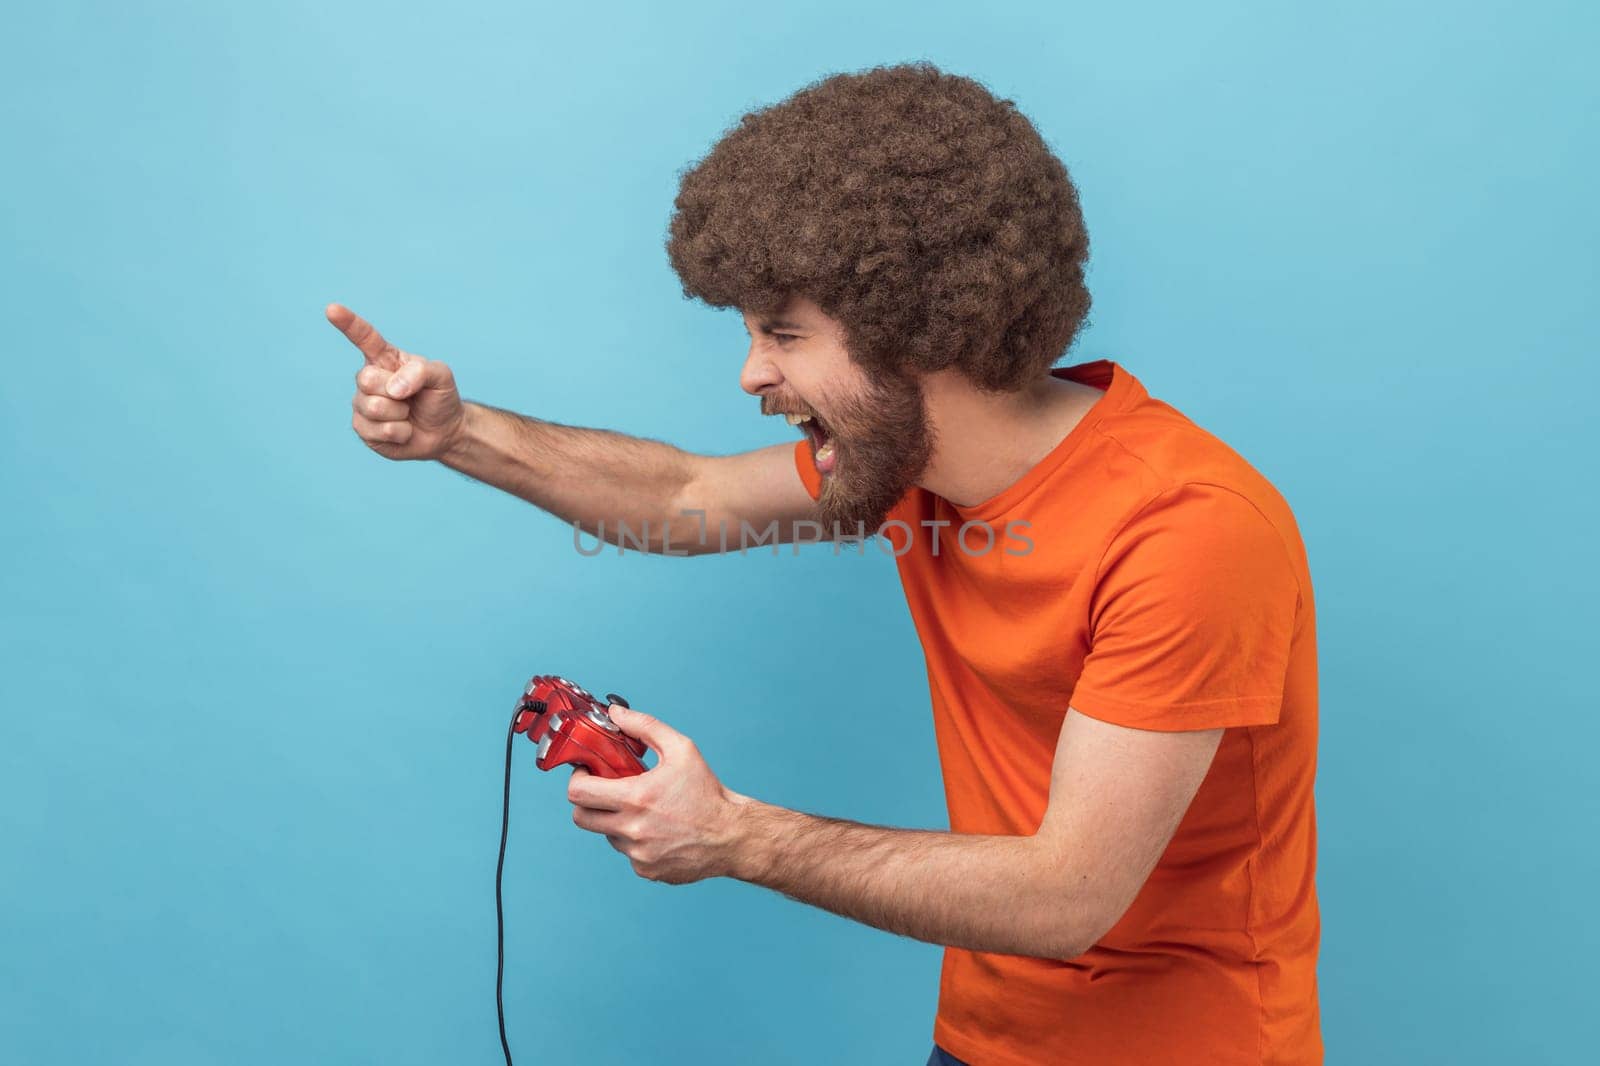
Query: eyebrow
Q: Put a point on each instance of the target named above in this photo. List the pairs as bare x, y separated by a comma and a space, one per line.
779, 323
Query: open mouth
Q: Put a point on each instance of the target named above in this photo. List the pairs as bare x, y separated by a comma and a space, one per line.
822, 452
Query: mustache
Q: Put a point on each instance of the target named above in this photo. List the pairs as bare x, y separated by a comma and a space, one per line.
773, 406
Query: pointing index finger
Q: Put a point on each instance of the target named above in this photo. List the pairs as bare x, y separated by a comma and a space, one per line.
363, 335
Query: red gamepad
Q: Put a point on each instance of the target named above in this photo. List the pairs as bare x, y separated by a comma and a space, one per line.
572, 727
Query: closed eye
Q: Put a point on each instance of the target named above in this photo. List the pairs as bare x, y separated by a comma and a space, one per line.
781, 338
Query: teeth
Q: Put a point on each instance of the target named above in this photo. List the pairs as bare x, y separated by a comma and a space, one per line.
795, 420
824, 453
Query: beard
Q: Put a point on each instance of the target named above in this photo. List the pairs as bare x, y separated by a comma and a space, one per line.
882, 443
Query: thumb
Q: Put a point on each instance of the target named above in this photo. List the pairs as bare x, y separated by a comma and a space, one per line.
416, 374
659, 735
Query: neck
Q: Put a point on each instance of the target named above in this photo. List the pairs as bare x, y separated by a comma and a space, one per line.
985, 442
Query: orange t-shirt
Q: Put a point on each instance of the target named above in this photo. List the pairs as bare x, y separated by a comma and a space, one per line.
1146, 575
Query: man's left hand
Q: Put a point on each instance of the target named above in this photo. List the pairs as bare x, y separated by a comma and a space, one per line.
675, 822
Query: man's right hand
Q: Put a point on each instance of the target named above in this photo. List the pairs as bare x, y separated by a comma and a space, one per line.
406, 407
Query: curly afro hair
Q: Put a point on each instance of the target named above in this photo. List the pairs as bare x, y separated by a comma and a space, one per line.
925, 215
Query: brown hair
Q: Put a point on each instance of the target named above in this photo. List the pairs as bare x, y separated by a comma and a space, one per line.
926, 215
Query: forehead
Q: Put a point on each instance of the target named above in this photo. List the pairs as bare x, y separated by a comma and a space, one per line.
797, 313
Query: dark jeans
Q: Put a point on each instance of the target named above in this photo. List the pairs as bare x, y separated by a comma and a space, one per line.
941, 1057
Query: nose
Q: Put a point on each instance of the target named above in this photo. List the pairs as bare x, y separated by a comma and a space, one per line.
759, 373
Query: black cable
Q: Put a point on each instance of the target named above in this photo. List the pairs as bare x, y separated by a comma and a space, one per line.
499, 905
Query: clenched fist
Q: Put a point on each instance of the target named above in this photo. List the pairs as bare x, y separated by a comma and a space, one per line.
406, 407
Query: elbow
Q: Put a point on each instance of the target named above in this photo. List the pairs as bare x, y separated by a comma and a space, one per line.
687, 525
1069, 946
1060, 937
1073, 934
1077, 906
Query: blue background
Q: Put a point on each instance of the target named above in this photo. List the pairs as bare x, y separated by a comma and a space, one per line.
256, 679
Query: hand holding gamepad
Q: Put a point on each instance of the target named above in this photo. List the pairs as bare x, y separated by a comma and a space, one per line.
574, 728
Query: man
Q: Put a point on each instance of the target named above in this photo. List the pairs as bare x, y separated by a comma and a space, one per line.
1115, 607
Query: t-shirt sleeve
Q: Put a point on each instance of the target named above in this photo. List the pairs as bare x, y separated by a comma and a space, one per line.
809, 477
1192, 616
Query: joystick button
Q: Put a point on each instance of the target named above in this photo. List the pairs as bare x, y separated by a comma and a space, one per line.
603, 720
612, 697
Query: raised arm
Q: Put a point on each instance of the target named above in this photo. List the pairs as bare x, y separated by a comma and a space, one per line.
627, 489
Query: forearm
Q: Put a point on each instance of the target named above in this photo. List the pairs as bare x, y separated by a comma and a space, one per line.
604, 482
1009, 894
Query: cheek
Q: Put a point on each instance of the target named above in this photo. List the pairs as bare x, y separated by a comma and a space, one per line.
825, 387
